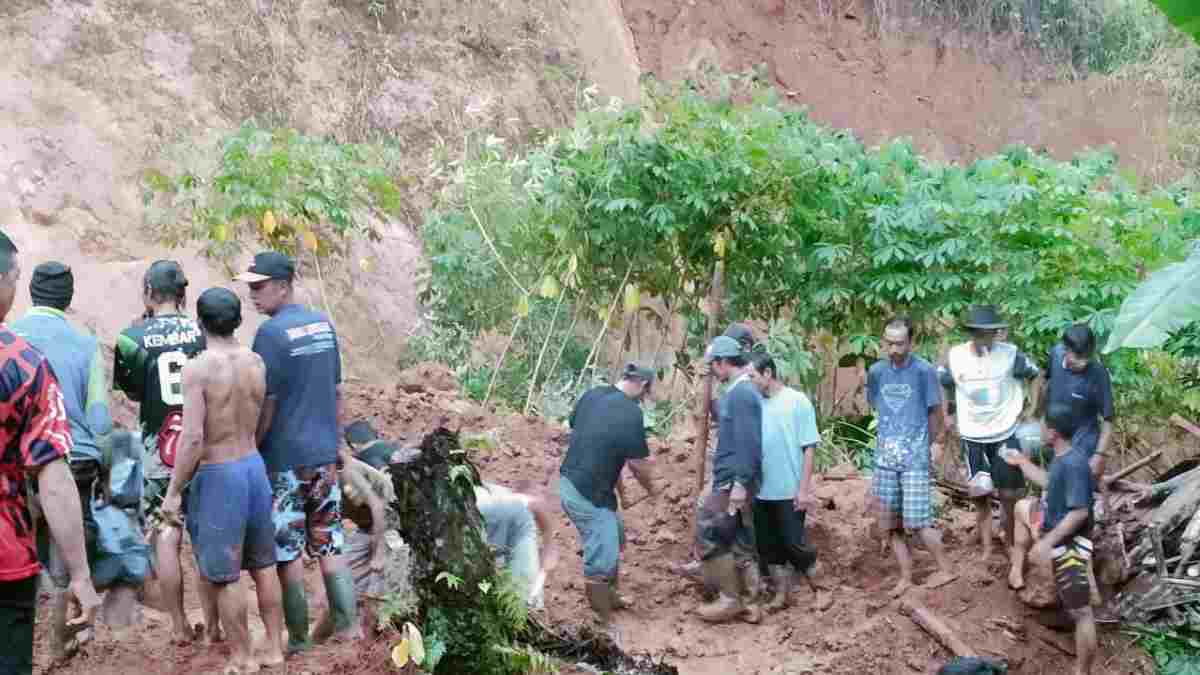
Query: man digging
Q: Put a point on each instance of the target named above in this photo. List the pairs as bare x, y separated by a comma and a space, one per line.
229, 497
903, 390
607, 431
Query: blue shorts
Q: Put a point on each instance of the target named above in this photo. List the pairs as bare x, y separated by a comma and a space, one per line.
229, 518
602, 531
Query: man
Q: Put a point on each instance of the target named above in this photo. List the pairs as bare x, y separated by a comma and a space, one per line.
148, 367
1066, 525
516, 521
36, 438
987, 379
78, 365
299, 441
789, 437
1081, 383
607, 431
229, 497
903, 389
724, 518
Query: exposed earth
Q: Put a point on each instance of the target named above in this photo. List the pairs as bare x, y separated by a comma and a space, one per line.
862, 632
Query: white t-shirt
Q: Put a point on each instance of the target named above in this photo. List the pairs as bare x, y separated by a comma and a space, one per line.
989, 390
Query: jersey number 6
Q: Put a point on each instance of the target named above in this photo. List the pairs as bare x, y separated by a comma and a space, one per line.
170, 377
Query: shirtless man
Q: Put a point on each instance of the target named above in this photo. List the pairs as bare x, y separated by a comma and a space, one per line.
229, 500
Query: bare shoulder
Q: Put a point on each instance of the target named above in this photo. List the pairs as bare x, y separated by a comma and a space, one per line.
198, 366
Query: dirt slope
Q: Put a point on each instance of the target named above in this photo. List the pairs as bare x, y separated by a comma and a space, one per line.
957, 96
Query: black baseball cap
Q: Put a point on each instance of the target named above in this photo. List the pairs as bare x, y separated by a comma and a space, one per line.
268, 265
166, 276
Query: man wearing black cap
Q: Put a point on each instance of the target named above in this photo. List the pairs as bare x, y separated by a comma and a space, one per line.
79, 366
148, 367
607, 431
35, 436
298, 436
987, 378
229, 498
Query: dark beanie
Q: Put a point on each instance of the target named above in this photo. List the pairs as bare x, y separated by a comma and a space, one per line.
53, 285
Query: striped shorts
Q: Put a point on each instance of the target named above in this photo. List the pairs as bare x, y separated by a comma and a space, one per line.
903, 497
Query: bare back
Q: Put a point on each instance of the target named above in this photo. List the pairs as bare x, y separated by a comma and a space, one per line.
228, 383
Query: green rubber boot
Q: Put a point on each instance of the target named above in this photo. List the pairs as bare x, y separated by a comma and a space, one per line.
343, 604
295, 615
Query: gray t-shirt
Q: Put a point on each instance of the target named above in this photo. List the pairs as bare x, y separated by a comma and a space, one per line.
902, 398
506, 516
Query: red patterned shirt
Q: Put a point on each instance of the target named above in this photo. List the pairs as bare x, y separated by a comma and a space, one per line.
34, 432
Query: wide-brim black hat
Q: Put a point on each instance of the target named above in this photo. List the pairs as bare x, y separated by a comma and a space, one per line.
985, 317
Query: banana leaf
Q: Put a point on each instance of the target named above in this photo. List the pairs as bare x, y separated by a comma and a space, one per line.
1165, 302
1184, 14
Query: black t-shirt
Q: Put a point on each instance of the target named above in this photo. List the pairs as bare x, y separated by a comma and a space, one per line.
1069, 487
607, 429
1087, 394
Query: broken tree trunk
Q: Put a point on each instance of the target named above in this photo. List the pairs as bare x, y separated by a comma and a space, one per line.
1188, 542
463, 603
1179, 508
935, 626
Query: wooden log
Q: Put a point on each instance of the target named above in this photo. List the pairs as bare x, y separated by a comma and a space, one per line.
1063, 645
1188, 542
714, 300
1133, 467
933, 624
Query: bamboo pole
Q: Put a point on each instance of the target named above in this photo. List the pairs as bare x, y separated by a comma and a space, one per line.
500, 360
714, 302
542, 354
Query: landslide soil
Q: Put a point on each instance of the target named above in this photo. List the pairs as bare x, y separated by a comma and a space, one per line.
863, 631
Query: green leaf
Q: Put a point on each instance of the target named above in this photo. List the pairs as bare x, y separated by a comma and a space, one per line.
1162, 304
1184, 14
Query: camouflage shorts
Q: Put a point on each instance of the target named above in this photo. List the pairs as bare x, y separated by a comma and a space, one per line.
718, 533
307, 511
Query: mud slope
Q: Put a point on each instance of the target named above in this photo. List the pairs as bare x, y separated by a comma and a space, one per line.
94, 92
957, 96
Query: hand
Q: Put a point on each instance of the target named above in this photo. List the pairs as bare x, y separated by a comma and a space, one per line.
85, 601
170, 510
1012, 457
737, 498
803, 501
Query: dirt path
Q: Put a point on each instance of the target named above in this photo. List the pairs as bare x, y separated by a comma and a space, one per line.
862, 632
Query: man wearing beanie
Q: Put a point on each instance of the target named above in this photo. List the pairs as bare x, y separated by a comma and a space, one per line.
77, 361
299, 438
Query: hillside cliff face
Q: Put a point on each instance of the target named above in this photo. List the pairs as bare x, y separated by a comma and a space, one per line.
94, 92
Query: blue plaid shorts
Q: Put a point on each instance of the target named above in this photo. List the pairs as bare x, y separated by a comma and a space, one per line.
904, 496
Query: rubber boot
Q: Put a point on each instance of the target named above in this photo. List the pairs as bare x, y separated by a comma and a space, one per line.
619, 601
781, 576
752, 583
295, 615
600, 597
728, 604
343, 604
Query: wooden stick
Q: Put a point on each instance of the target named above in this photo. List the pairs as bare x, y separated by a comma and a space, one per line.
1159, 556
1053, 640
542, 354
933, 624
500, 360
1134, 467
714, 301
1185, 425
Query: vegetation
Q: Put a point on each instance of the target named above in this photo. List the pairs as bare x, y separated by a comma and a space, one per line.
817, 233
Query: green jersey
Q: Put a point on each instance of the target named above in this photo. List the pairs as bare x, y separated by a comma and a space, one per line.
148, 368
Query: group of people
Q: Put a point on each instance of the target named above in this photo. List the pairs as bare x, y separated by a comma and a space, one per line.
751, 519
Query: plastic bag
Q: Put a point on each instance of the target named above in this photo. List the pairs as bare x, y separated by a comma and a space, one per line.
972, 665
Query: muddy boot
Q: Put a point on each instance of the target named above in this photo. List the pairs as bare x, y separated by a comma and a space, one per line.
619, 601
781, 576
600, 597
728, 604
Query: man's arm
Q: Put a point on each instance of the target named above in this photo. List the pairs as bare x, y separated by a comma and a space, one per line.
1100, 458
746, 420
45, 446
1107, 413
265, 417
1026, 370
96, 408
264, 346
1065, 528
643, 471
1034, 473
191, 440
544, 519
377, 507
807, 438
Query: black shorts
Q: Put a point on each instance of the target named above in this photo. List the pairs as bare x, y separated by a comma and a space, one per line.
779, 534
1007, 479
18, 608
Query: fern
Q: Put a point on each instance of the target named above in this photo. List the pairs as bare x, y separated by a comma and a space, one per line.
524, 659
